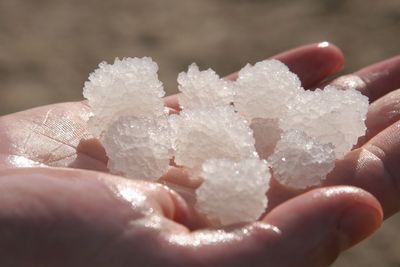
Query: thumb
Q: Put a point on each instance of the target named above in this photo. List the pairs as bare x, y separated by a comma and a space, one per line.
316, 226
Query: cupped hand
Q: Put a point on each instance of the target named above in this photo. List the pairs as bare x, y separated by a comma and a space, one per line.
56, 213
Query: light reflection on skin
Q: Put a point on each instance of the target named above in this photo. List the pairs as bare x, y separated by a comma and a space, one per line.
349, 82
333, 192
22, 162
213, 237
323, 44
204, 237
129, 193
150, 222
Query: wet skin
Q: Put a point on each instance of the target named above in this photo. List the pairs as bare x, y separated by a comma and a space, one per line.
60, 207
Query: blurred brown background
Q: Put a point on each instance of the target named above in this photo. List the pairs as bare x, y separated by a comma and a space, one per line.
48, 48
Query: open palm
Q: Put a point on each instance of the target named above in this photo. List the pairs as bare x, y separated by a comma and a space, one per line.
59, 207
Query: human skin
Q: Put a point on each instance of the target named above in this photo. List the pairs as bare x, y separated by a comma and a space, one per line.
60, 207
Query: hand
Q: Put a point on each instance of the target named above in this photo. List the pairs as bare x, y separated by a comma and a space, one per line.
373, 163
57, 216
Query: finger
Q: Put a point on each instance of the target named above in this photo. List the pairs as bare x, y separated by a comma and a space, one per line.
375, 168
52, 217
381, 114
320, 224
312, 228
374, 81
312, 63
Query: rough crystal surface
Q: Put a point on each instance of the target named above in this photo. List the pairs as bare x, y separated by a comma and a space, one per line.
331, 115
263, 90
301, 161
139, 148
233, 191
203, 88
128, 87
205, 133
300, 132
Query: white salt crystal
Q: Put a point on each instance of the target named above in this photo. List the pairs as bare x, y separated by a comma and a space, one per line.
299, 131
216, 132
233, 191
129, 87
263, 90
300, 161
266, 134
331, 115
203, 88
139, 148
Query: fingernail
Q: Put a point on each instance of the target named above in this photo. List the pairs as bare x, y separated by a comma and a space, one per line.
357, 223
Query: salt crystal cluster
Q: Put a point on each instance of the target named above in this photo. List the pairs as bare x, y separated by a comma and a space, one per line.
300, 160
331, 115
225, 194
268, 92
129, 87
139, 147
128, 116
264, 89
203, 89
214, 132
215, 142
225, 131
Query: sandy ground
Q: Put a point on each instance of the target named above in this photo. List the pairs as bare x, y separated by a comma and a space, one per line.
48, 47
